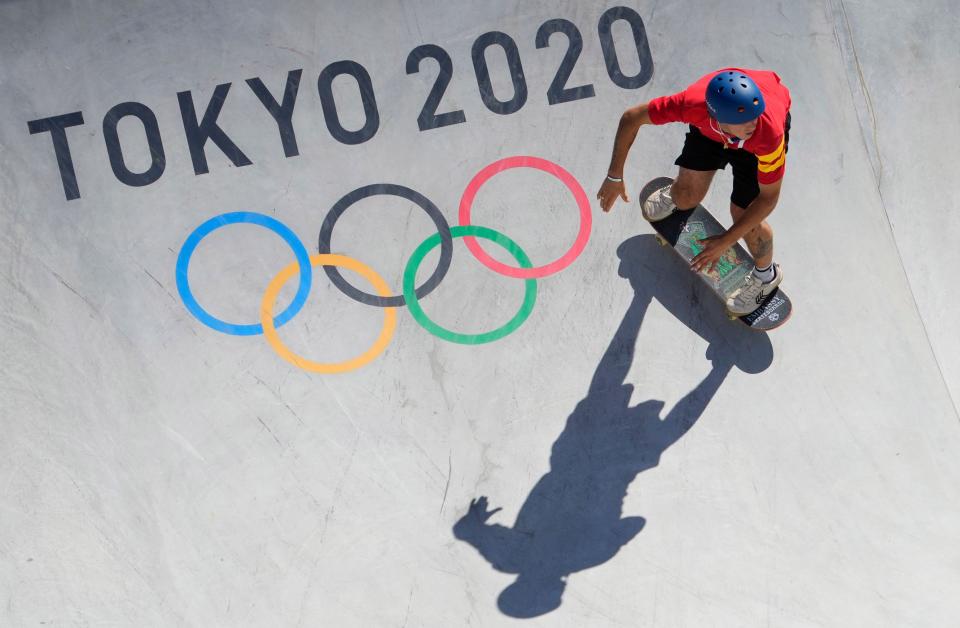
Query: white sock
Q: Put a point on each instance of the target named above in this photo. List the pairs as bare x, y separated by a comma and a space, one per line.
766, 275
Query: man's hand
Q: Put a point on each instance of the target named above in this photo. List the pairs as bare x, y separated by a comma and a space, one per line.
609, 192
713, 249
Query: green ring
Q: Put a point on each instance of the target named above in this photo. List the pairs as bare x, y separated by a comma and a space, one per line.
413, 303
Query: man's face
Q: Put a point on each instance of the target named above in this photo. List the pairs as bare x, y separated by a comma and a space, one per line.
743, 131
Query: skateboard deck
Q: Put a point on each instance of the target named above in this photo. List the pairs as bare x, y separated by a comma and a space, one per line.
681, 231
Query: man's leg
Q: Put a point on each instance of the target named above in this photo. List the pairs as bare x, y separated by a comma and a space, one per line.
759, 240
687, 191
699, 161
765, 276
745, 189
691, 187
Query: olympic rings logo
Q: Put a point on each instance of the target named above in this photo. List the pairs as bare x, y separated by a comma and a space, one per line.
383, 297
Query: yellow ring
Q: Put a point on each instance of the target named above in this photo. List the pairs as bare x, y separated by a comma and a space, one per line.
327, 259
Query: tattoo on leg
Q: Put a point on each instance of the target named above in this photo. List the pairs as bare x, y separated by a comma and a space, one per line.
762, 246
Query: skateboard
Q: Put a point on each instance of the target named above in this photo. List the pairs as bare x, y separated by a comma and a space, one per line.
681, 231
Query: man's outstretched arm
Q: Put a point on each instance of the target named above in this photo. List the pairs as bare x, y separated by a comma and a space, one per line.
630, 122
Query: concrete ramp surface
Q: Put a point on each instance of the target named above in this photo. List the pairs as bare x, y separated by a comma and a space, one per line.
310, 317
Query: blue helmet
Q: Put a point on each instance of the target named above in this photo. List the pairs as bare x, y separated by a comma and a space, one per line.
733, 98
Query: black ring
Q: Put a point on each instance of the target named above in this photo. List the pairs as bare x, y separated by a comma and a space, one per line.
446, 242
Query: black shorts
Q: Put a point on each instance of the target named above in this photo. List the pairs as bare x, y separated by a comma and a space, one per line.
703, 154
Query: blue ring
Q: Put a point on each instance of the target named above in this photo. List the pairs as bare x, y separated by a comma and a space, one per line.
186, 251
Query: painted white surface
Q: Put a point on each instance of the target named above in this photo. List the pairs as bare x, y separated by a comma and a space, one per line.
156, 473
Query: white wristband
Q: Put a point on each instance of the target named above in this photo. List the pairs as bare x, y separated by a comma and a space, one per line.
614, 179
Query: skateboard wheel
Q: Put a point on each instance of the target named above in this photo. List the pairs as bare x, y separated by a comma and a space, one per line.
732, 317
661, 241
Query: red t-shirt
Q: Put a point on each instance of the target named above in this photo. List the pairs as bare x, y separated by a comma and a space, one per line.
767, 141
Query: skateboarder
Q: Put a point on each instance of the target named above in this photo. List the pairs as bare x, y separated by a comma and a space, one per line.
740, 117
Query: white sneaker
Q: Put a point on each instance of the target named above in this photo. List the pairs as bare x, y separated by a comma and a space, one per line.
751, 294
658, 205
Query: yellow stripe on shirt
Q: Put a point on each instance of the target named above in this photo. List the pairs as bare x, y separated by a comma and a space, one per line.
774, 155
771, 167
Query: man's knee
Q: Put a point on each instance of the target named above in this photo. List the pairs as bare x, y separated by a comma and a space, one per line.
763, 231
689, 190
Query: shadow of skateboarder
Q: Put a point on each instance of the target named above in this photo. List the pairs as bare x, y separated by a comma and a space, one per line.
572, 519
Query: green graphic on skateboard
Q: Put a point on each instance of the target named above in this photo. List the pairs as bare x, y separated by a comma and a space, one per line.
682, 231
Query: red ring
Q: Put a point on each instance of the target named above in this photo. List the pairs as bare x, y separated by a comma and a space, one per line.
523, 161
